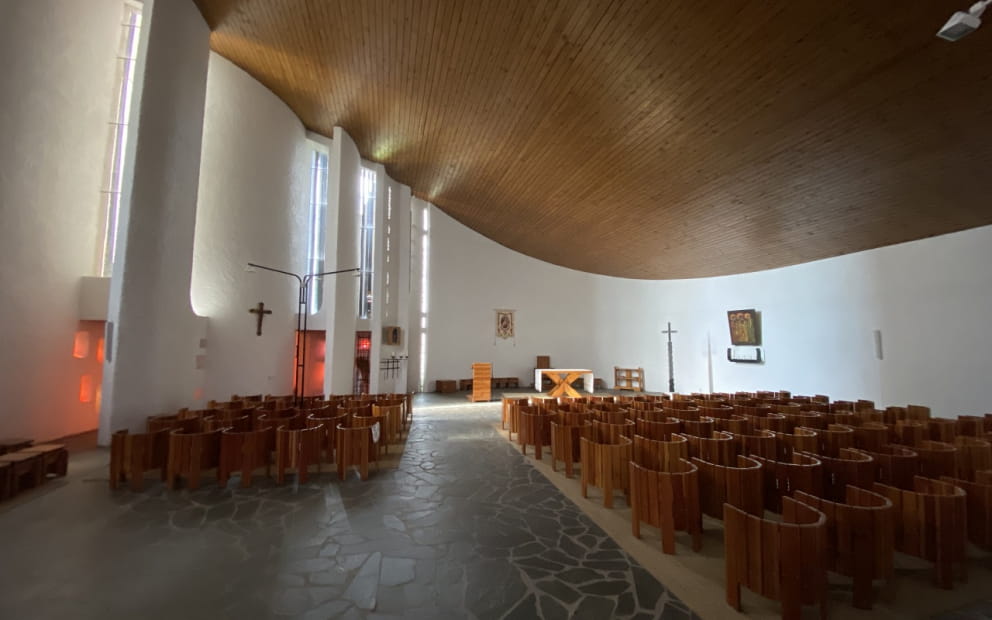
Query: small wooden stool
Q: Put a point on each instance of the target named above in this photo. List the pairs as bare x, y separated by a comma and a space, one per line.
54, 456
24, 464
14, 444
5, 490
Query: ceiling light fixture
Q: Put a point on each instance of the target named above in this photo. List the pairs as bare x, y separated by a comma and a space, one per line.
962, 24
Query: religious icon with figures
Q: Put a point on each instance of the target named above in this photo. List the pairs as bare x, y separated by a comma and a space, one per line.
745, 327
504, 323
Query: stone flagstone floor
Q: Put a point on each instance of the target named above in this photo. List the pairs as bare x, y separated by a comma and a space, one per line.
463, 527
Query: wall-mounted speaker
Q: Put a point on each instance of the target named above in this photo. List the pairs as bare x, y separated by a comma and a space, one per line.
878, 344
392, 335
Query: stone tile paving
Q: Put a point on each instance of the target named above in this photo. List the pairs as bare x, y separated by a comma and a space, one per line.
463, 528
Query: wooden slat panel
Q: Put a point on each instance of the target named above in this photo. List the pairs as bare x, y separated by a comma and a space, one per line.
646, 139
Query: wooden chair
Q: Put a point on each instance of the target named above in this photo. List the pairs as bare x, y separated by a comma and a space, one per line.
190, 454
133, 454
654, 415
240, 424
666, 497
329, 425
909, 432
936, 459
971, 425
849, 468
513, 422
978, 499
860, 537
661, 431
244, 452
740, 485
356, 448
871, 436
802, 472
832, 438
658, 454
297, 449
807, 419
534, 430
736, 424
392, 415
784, 561
973, 455
156, 423
566, 442
759, 442
942, 429
843, 417
762, 417
604, 452
54, 457
930, 523
895, 465
800, 440
719, 447
701, 427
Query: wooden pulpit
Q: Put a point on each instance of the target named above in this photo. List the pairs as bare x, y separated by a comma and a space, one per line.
482, 382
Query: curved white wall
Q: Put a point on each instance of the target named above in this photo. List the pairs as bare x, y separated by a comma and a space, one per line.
55, 103
253, 206
929, 298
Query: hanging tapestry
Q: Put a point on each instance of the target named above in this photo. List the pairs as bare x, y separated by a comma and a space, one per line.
504, 324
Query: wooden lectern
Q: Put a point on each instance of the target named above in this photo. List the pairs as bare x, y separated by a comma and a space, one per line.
482, 382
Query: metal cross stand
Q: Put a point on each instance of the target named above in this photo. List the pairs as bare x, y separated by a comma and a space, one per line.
671, 366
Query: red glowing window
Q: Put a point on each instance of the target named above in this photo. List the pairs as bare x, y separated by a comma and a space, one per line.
86, 389
99, 351
81, 345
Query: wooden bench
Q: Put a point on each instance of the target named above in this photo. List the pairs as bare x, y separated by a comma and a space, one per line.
860, 537
27, 470
14, 444
930, 523
783, 561
133, 454
740, 485
54, 456
664, 492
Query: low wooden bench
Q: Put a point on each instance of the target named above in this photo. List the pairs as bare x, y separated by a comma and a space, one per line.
27, 469
54, 456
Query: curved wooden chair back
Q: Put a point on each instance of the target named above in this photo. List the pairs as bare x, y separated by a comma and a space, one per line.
971, 426
605, 453
616, 416
354, 449
244, 451
572, 418
660, 430
909, 432
666, 498
241, 424
505, 419
799, 440
802, 472
895, 465
329, 425
740, 485
832, 438
930, 523
565, 443
973, 455
979, 504
297, 449
392, 415
842, 417
605, 431
733, 424
535, 430
661, 455
783, 561
190, 454
871, 436
849, 468
937, 459
719, 447
701, 427
654, 415
158, 423
942, 429
758, 442
860, 537
133, 454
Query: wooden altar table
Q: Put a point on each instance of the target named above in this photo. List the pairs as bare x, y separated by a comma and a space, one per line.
562, 379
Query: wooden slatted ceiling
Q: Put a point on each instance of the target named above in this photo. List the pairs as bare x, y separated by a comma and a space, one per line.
647, 139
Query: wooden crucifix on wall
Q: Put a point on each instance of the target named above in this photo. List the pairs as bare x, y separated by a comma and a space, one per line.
261, 312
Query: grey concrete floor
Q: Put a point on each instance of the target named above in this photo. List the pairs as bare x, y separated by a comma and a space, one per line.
459, 526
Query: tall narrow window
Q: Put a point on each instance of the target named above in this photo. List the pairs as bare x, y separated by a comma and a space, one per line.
318, 218
366, 222
127, 54
425, 256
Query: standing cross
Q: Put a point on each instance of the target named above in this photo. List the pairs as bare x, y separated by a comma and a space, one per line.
261, 312
671, 367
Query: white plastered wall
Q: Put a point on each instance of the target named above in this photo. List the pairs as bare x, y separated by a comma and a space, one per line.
253, 207
929, 298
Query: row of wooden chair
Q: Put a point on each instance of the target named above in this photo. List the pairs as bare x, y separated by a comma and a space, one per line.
848, 496
186, 444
